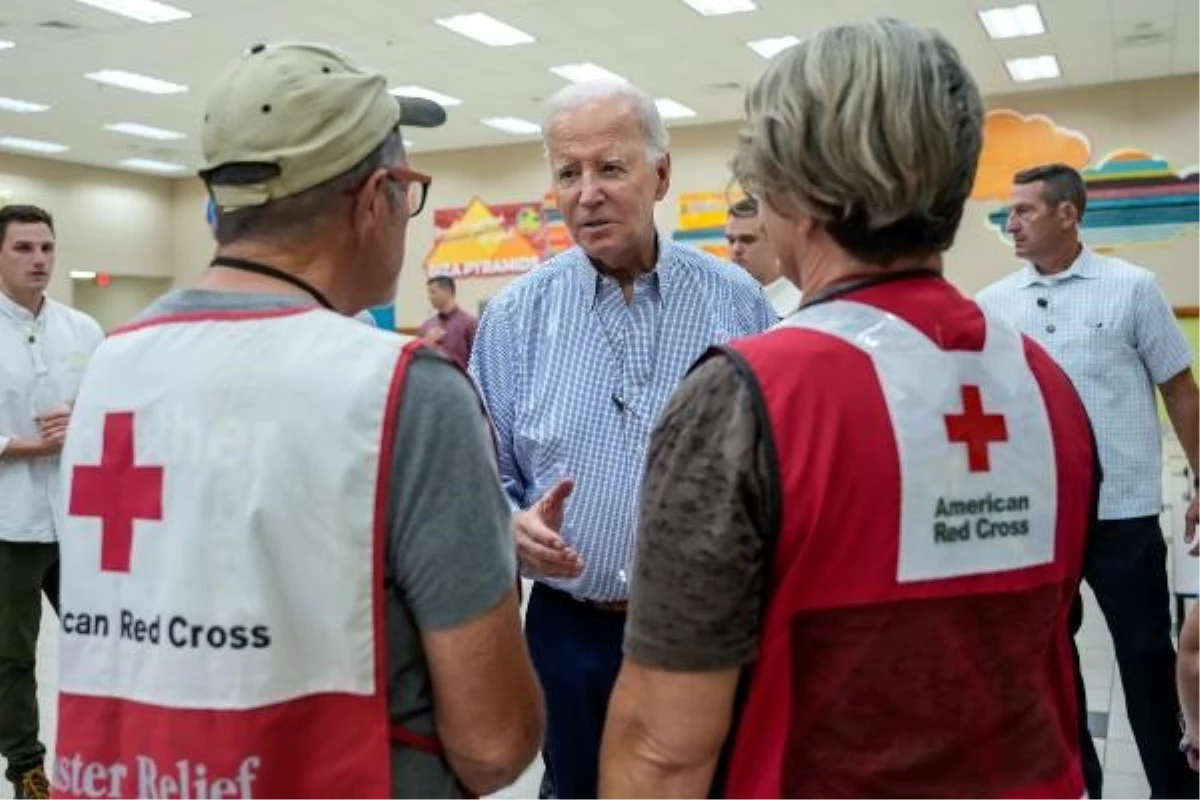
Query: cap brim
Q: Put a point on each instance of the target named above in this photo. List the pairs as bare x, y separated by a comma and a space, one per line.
419, 112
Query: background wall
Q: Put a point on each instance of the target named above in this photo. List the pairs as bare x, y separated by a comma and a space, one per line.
127, 224
106, 221
121, 300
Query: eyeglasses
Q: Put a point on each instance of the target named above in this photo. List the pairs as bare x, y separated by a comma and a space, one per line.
416, 185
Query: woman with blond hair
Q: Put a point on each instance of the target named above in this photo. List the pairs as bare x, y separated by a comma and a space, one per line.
861, 532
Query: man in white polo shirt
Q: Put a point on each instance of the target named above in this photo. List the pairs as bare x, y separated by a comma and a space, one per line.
1109, 326
44, 347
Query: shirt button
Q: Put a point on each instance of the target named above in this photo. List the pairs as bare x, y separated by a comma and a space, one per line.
1050, 329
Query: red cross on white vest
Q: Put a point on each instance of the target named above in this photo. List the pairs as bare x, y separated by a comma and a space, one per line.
118, 492
976, 429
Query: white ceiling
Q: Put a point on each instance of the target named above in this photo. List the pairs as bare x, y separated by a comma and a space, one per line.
661, 45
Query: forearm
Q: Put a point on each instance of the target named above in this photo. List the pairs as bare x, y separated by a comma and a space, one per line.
1183, 414
24, 449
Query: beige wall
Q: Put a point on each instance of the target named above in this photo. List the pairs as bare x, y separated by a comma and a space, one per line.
134, 225
106, 221
122, 300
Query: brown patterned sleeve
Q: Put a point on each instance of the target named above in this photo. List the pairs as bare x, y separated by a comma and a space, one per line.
698, 575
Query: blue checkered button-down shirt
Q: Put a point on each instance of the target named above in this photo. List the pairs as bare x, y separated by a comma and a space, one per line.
1109, 326
574, 379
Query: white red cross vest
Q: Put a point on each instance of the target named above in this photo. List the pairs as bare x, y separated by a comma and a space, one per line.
935, 479
222, 541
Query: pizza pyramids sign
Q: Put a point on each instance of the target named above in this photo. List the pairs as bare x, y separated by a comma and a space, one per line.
480, 240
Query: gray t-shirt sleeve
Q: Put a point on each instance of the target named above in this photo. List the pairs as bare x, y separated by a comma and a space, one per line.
703, 526
451, 550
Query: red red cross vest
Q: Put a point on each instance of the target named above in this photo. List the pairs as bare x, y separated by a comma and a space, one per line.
222, 547
935, 475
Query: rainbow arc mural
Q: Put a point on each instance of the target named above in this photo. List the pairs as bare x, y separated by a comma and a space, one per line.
1134, 197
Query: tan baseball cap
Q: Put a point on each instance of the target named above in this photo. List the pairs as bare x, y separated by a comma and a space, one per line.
304, 113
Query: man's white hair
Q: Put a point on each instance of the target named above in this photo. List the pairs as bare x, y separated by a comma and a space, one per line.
575, 95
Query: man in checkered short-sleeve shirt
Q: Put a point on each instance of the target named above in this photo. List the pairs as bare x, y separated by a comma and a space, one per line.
1110, 327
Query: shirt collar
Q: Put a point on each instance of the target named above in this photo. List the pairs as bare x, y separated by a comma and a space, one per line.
660, 279
19, 313
1082, 267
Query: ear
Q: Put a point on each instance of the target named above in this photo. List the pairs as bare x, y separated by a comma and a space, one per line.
370, 205
663, 170
1067, 214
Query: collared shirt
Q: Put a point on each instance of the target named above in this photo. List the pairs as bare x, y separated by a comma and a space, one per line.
575, 378
458, 333
1109, 326
783, 296
42, 360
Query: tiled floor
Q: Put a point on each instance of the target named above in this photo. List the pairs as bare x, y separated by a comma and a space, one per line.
1123, 775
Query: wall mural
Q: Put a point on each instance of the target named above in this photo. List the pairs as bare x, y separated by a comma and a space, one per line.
482, 240
701, 222
1134, 197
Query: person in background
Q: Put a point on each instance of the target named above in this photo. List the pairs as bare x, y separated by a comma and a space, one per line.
304, 584
750, 250
1109, 325
450, 329
44, 349
575, 361
861, 533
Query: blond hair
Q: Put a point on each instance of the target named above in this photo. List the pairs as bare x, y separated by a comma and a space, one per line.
874, 128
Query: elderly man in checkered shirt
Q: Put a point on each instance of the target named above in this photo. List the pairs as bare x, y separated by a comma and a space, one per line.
1110, 327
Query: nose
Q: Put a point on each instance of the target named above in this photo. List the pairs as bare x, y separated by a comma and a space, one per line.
1012, 225
589, 192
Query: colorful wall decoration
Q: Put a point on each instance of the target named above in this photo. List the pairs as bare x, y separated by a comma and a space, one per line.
1134, 198
702, 218
484, 240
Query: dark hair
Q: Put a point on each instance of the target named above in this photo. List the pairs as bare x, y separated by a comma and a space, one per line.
444, 282
23, 214
1060, 183
746, 208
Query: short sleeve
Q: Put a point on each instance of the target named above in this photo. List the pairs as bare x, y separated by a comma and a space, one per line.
452, 553
1159, 341
698, 576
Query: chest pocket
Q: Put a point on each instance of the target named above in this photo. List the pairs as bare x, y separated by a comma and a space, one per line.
1098, 339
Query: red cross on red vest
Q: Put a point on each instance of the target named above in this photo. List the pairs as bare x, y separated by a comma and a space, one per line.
976, 429
118, 492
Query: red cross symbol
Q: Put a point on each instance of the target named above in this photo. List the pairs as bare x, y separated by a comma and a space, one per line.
976, 429
118, 492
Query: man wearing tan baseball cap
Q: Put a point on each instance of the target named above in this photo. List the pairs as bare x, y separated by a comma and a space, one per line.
276, 585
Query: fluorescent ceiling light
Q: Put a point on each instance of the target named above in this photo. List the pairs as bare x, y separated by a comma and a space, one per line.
1013, 21
773, 46
5, 44
428, 94
152, 165
581, 73
21, 106
484, 29
1037, 68
512, 125
408, 144
142, 10
82, 275
712, 8
672, 109
145, 131
32, 145
135, 82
